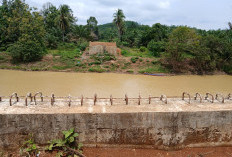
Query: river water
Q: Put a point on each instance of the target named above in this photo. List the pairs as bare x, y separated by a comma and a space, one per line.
105, 84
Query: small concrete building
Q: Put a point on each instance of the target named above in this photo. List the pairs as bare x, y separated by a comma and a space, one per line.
100, 47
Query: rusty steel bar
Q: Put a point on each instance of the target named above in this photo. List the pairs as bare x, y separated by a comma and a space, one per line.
139, 100
52, 99
29, 95
14, 95
95, 99
82, 100
111, 100
183, 96
223, 99
229, 96
165, 98
149, 99
41, 97
207, 95
126, 99
198, 95
69, 101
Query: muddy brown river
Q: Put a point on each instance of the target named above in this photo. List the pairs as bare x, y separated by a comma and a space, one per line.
105, 84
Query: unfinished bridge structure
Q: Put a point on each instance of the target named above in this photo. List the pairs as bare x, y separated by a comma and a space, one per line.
162, 122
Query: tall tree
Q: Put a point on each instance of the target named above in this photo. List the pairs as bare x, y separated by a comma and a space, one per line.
119, 20
92, 26
230, 25
65, 19
53, 31
4, 14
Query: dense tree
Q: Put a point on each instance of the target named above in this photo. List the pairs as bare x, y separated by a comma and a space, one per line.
183, 41
119, 20
30, 32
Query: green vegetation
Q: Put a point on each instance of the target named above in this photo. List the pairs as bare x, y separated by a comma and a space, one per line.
29, 147
51, 39
67, 146
103, 57
153, 69
97, 69
134, 59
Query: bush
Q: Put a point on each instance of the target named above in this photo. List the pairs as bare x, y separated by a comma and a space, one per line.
26, 52
134, 59
83, 45
124, 52
228, 69
142, 49
156, 48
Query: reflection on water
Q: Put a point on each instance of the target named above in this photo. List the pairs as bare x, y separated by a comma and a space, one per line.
76, 84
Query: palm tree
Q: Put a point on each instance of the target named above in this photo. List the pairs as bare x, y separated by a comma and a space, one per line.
65, 18
119, 19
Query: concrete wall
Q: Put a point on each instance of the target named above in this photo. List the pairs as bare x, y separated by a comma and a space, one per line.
167, 130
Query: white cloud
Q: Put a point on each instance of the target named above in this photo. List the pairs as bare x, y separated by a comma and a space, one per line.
205, 14
164, 5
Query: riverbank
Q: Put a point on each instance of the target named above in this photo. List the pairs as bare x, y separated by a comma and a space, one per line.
72, 61
132, 61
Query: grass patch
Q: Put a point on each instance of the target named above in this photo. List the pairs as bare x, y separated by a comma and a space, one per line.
154, 69
96, 69
130, 71
135, 52
60, 67
12, 67
68, 57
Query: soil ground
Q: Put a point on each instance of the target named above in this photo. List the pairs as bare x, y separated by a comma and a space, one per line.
187, 152
128, 152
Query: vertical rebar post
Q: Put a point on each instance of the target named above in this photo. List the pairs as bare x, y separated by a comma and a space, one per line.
82, 100
95, 99
111, 100
126, 99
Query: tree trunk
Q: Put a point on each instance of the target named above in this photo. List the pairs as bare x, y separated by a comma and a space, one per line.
63, 36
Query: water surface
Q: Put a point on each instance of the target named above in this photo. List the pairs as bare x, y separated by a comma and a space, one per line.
76, 84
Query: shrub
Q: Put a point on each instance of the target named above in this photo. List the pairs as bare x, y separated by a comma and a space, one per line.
26, 52
142, 49
134, 59
83, 45
156, 48
124, 52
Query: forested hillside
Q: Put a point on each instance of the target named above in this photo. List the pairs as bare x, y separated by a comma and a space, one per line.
29, 35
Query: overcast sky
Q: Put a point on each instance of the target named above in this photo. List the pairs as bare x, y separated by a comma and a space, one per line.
205, 14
